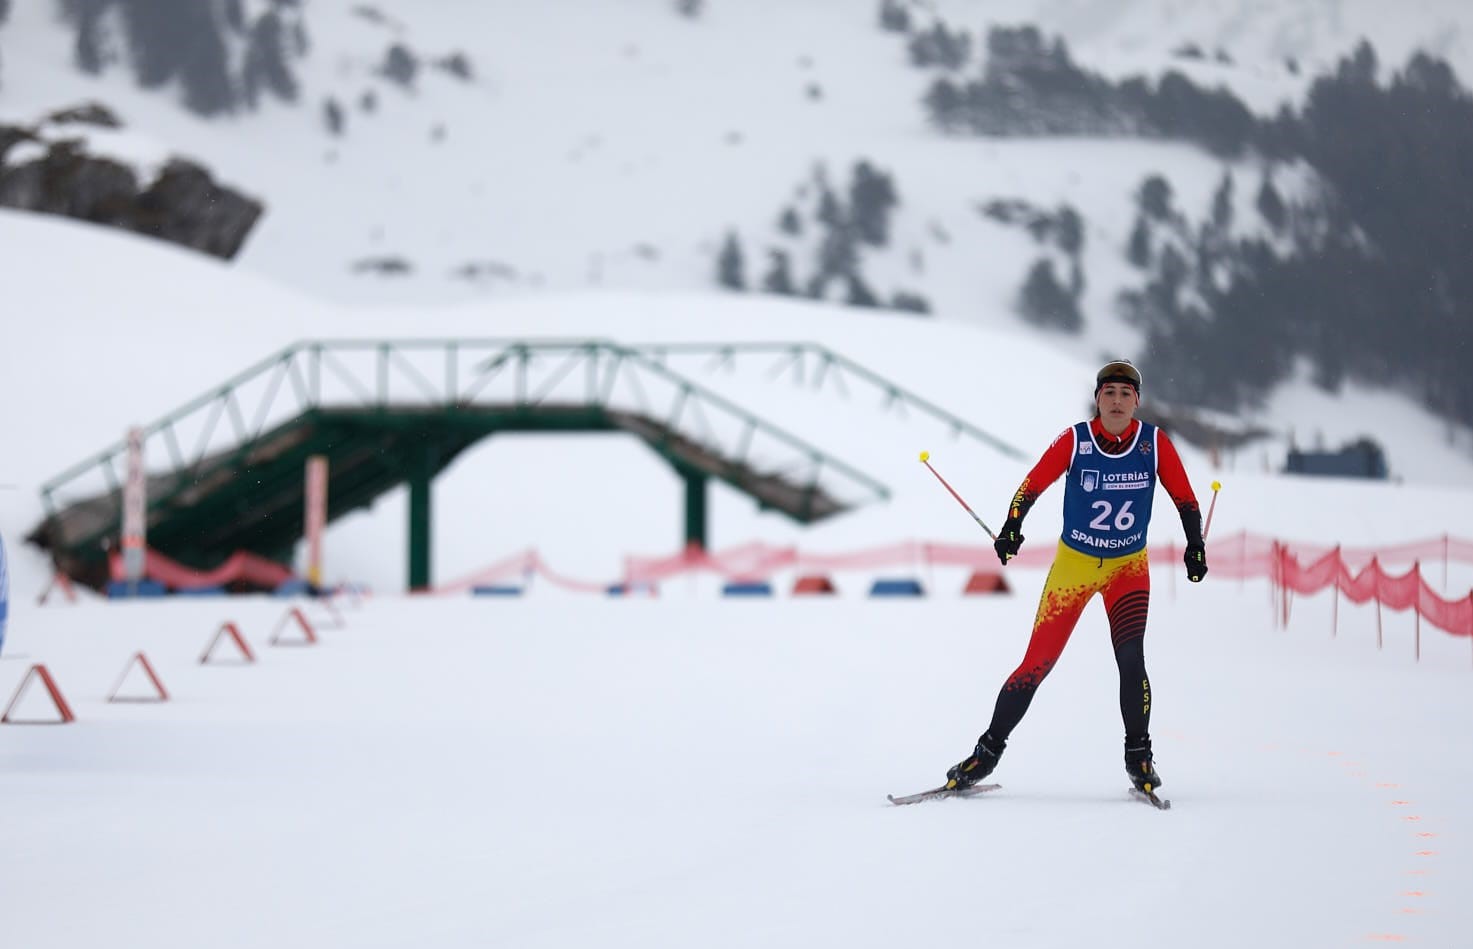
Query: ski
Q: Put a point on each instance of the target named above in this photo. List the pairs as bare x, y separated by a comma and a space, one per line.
942, 792
1149, 797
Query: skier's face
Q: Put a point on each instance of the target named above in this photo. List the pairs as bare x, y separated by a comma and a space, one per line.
1117, 403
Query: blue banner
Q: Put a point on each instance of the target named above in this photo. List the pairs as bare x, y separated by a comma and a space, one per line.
4, 593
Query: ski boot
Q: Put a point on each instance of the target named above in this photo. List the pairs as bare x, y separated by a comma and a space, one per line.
978, 766
1140, 766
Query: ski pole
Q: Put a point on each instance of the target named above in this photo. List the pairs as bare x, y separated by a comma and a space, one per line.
1216, 487
926, 460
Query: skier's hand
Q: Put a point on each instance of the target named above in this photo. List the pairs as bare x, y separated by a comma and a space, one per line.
1008, 540
1196, 561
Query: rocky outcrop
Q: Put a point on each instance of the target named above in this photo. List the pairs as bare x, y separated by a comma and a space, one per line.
183, 204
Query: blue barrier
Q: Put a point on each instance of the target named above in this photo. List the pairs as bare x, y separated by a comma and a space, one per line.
216, 590
747, 588
123, 589
495, 591
634, 589
4, 593
897, 587
293, 586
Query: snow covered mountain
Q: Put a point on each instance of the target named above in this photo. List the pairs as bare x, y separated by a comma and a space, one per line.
432, 153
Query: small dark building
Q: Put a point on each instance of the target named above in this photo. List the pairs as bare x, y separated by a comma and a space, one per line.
1362, 458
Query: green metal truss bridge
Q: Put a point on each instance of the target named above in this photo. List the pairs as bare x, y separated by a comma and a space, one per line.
225, 471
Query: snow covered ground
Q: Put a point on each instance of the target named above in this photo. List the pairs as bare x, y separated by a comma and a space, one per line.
560, 770
563, 770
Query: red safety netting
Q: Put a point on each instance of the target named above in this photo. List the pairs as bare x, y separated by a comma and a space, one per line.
520, 566
1407, 591
1358, 573
239, 567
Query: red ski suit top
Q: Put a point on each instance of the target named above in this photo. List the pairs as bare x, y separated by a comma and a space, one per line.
1055, 462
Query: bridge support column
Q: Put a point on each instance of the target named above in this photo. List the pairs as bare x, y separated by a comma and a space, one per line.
421, 475
695, 508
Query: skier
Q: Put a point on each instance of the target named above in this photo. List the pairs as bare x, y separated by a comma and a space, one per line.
1113, 462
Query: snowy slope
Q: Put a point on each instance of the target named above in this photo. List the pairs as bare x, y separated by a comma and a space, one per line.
1258, 37
562, 772
612, 145
153, 327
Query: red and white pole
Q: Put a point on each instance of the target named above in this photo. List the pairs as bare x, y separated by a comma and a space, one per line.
926, 460
316, 516
135, 508
1216, 487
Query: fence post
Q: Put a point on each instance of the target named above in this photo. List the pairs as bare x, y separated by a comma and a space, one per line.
1417, 610
1242, 557
1273, 582
1284, 586
1335, 602
1376, 567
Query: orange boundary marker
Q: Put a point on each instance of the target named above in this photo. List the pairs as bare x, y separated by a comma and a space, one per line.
39, 671
338, 622
986, 581
59, 581
140, 659
306, 627
814, 584
231, 631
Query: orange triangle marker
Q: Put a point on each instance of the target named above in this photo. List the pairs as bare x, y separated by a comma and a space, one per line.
139, 660
230, 632
59, 582
309, 638
63, 709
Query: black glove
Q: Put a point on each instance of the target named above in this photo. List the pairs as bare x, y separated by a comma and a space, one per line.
1196, 561
1008, 540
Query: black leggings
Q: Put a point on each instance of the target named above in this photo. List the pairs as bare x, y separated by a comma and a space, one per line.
1125, 585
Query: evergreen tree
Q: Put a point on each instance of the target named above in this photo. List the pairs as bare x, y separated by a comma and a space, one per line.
859, 294
1070, 231
871, 199
907, 302
333, 116
790, 223
1044, 302
1172, 270
1076, 279
265, 64
1271, 206
234, 13
88, 52
838, 254
944, 103
400, 65
1154, 198
830, 212
779, 277
730, 265
1222, 204
940, 47
459, 66
208, 89
1138, 251
180, 39
894, 17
